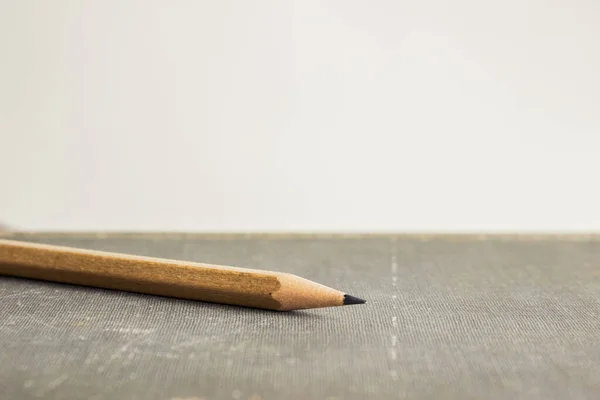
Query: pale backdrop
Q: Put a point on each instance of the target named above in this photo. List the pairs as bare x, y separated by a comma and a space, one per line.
300, 115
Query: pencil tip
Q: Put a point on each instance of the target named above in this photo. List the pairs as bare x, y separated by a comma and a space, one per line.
352, 300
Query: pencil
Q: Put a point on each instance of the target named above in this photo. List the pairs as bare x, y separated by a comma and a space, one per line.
171, 278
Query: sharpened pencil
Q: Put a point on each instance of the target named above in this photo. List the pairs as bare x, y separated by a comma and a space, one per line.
171, 278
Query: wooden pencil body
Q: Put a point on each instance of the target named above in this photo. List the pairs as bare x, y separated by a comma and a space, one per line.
220, 284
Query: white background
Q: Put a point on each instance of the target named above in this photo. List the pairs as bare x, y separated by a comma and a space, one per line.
300, 115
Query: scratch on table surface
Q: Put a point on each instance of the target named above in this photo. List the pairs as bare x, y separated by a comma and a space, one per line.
119, 351
35, 319
108, 390
19, 294
115, 355
90, 358
135, 331
394, 339
188, 398
51, 385
188, 343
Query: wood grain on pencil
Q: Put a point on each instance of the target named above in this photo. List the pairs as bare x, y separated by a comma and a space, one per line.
213, 283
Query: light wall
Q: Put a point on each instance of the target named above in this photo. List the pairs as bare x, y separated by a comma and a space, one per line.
300, 115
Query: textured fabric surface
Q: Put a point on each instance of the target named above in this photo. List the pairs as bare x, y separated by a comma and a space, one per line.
446, 318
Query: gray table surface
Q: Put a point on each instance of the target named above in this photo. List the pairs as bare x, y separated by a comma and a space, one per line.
448, 317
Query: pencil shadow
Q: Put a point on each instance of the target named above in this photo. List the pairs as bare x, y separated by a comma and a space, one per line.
225, 308
207, 307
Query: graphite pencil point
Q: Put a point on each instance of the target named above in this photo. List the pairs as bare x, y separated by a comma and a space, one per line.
352, 300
